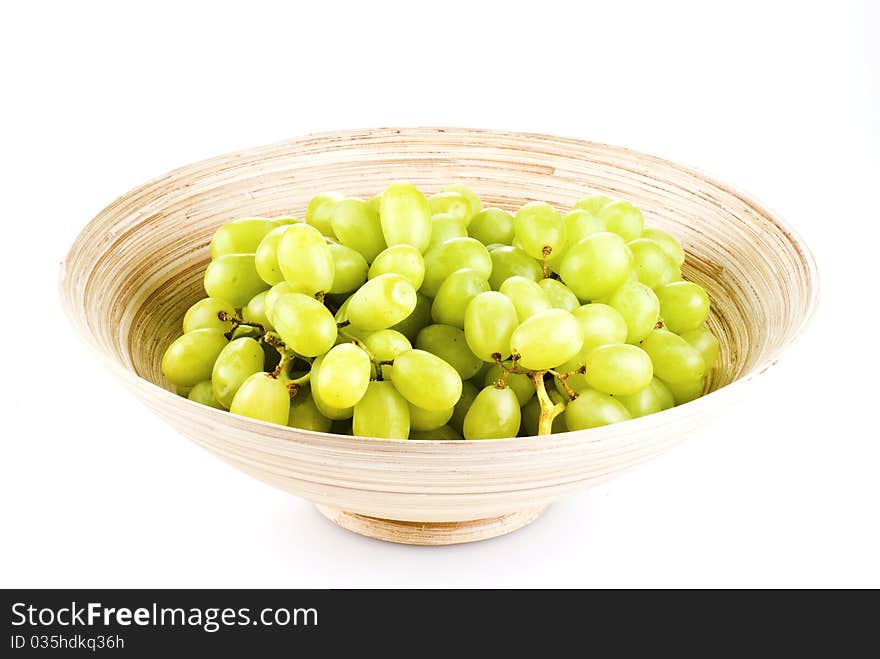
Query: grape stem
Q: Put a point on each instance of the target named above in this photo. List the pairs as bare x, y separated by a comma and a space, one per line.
545, 270
563, 379
238, 322
344, 323
549, 410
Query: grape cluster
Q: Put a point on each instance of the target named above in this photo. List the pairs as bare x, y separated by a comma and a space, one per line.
435, 318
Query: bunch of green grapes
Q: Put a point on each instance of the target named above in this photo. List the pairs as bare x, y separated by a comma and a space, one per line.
403, 316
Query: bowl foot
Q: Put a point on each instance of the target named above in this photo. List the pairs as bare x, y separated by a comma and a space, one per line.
431, 533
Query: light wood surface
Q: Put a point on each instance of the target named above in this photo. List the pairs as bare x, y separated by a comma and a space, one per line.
135, 269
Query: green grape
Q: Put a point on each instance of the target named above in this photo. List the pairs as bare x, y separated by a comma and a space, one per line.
559, 294
240, 236
204, 315
349, 269
238, 360
277, 291
592, 409
494, 414
254, 312
385, 345
547, 339
489, 321
481, 376
304, 414
538, 226
509, 262
421, 419
531, 415
622, 218
469, 391
234, 278
306, 326
473, 200
664, 395
444, 259
325, 409
527, 296
705, 343
457, 290
593, 204
442, 433
319, 213
284, 220
262, 397
452, 204
426, 380
305, 258
190, 358
382, 413
652, 265
449, 344
596, 266
382, 302
266, 256
403, 260
492, 226
669, 244
639, 307
675, 360
520, 383
600, 325
357, 226
684, 306
619, 369
446, 227
202, 393
344, 376
580, 223
375, 202
419, 317
405, 216
685, 392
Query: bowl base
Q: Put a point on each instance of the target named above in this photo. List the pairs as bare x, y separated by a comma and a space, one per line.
431, 533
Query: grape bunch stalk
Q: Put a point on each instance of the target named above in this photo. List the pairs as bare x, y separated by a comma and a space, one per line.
411, 317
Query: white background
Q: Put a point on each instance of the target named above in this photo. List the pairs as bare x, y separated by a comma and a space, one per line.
780, 99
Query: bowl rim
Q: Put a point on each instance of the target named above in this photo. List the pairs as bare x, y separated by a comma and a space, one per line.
135, 381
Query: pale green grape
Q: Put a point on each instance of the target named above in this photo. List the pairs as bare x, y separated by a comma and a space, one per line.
426, 380
508, 261
600, 325
669, 244
262, 397
421, 419
344, 375
375, 202
443, 433
254, 312
547, 339
451, 203
619, 369
639, 307
405, 216
664, 395
685, 392
560, 295
481, 376
304, 414
593, 204
592, 409
306, 326
469, 391
240, 236
538, 226
356, 225
450, 345
527, 296
492, 226
204, 315
277, 291
403, 260
349, 269
651, 263
234, 278
531, 415
382, 302
419, 317
596, 266
325, 409
705, 343
473, 200
266, 256
238, 360
622, 218
446, 227
287, 219
457, 290
494, 414
489, 321
202, 393
444, 259
319, 213
382, 413
578, 225
305, 258
520, 383
190, 358
385, 345
684, 306
675, 360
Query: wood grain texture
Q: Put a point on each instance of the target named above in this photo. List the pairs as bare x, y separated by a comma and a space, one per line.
135, 269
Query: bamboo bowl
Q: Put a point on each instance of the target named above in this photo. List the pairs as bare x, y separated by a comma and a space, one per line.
135, 269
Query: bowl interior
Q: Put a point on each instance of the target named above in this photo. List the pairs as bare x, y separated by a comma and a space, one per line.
138, 266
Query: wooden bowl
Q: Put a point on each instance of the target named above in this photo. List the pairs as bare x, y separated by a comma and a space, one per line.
136, 268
